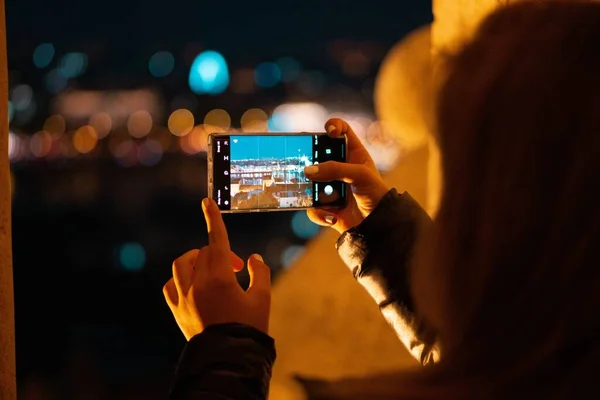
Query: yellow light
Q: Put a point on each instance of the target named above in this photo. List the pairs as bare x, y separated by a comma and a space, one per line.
102, 123
254, 120
181, 122
219, 118
40, 144
85, 139
55, 125
139, 124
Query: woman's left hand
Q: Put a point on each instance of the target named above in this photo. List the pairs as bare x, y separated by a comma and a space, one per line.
204, 290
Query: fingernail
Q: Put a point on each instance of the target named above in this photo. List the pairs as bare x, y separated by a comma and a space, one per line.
330, 128
330, 219
258, 257
311, 170
206, 203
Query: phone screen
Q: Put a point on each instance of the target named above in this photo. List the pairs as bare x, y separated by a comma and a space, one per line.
260, 172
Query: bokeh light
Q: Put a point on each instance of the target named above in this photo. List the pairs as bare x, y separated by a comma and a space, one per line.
303, 227
196, 141
55, 125
290, 69
139, 124
161, 64
298, 117
181, 122
209, 74
85, 139
218, 118
102, 123
132, 256
267, 74
150, 152
254, 120
43, 55
21, 96
55, 82
73, 65
40, 144
11, 111
291, 254
14, 143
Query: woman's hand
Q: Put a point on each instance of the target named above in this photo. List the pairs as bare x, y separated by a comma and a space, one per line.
359, 171
204, 290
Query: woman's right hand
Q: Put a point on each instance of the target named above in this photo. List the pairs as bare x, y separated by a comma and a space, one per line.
359, 171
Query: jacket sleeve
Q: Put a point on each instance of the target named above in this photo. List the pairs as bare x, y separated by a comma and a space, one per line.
379, 253
225, 362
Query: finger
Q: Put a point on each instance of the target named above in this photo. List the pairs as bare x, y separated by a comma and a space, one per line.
336, 127
236, 262
183, 270
321, 217
170, 293
218, 240
260, 275
354, 174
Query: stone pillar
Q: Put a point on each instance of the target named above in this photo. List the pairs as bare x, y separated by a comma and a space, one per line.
7, 329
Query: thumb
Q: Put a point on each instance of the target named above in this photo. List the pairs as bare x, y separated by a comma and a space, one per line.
354, 174
260, 275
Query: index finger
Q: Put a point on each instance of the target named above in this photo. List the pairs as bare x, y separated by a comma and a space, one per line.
357, 152
217, 233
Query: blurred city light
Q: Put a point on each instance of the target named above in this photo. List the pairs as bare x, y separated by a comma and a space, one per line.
139, 124
21, 97
85, 139
132, 256
73, 65
291, 254
55, 125
13, 146
298, 117
55, 82
209, 74
254, 120
218, 118
150, 152
267, 74
40, 144
102, 123
11, 111
43, 55
303, 227
290, 69
181, 122
161, 64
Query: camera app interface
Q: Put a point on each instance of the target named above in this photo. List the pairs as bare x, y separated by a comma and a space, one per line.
267, 171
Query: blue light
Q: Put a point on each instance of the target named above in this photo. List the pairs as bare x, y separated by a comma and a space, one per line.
73, 65
43, 55
291, 254
209, 74
267, 74
11, 111
303, 227
290, 69
161, 64
55, 81
132, 256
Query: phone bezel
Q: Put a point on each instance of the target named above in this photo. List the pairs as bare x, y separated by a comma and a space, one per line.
210, 169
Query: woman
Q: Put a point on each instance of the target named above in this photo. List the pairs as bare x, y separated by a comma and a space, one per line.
501, 297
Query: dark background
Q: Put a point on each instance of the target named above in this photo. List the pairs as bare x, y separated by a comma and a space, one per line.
90, 326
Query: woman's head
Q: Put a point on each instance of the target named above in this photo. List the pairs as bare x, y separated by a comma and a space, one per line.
516, 274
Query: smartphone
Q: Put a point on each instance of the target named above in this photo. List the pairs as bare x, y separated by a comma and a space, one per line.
255, 172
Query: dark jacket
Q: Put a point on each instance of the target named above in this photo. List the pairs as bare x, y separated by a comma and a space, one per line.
231, 362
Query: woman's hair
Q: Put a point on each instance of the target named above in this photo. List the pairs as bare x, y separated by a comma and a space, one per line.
513, 280
518, 253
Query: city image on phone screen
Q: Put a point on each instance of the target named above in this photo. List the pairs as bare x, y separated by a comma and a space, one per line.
266, 171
